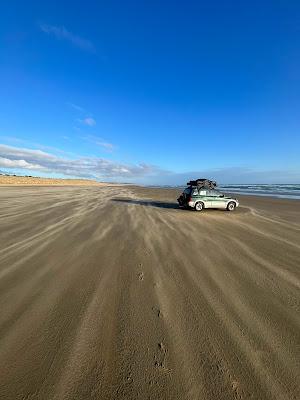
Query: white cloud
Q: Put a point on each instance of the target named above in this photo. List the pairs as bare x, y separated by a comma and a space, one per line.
62, 33
109, 147
14, 140
76, 107
88, 121
88, 167
7, 163
103, 169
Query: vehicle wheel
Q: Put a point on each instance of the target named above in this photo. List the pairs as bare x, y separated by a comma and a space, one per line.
199, 206
231, 206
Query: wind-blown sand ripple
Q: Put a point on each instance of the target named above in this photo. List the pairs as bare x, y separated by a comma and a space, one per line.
115, 293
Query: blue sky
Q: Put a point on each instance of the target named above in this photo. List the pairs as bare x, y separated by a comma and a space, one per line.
150, 91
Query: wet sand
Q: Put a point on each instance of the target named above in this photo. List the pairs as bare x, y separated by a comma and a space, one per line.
115, 293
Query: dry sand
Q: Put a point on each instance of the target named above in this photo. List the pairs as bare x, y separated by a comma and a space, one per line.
114, 293
33, 181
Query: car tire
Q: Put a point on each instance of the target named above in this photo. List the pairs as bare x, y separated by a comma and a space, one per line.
199, 206
231, 206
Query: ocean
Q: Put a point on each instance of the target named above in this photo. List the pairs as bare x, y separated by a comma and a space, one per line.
285, 191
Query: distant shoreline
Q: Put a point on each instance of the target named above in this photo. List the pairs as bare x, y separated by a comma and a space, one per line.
279, 191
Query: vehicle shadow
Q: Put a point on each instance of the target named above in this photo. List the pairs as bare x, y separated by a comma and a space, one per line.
150, 203
175, 206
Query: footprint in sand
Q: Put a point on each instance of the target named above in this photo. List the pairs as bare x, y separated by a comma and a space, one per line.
159, 359
157, 311
129, 379
141, 276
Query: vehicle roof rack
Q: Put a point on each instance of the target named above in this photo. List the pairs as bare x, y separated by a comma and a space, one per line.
203, 183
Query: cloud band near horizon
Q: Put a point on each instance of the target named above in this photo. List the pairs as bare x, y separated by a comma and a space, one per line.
85, 167
102, 169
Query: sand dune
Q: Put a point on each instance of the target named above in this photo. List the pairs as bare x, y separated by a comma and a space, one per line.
31, 180
114, 293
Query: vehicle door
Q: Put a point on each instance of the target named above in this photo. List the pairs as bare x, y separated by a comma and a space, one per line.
186, 195
203, 195
216, 199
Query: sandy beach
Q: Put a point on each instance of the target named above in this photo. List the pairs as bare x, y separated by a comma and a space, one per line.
115, 293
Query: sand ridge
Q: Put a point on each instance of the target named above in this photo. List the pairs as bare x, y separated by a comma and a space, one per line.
115, 293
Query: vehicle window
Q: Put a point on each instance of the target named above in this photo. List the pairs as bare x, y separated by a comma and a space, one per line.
214, 193
187, 190
195, 192
202, 192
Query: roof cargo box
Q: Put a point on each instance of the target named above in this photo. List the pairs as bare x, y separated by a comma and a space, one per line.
203, 183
